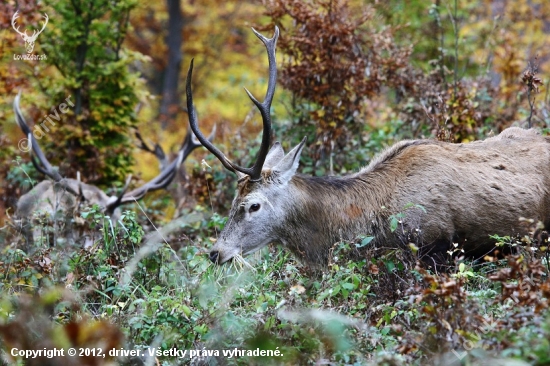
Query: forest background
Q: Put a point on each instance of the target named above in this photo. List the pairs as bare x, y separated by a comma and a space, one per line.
354, 76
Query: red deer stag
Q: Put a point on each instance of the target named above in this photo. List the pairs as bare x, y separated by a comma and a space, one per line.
61, 198
447, 193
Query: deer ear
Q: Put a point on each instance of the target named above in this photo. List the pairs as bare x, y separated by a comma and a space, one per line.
274, 155
286, 168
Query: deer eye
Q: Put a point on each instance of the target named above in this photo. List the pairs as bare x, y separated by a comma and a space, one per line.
254, 207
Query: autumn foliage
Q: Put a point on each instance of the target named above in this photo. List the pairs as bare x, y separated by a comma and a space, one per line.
354, 77
336, 59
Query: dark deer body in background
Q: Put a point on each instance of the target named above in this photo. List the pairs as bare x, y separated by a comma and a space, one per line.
447, 193
60, 199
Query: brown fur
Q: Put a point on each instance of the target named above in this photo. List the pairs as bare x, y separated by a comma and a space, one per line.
467, 192
51, 202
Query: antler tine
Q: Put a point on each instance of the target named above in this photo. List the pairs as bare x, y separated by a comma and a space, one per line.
159, 182
37, 166
157, 150
35, 33
264, 107
42, 164
191, 142
116, 201
15, 16
167, 174
193, 123
45, 23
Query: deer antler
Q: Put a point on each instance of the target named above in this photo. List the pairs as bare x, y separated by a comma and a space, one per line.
40, 162
15, 16
35, 35
43, 164
156, 150
255, 171
160, 181
168, 171
25, 35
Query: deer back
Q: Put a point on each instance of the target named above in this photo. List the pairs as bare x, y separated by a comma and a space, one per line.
429, 193
52, 199
440, 193
61, 198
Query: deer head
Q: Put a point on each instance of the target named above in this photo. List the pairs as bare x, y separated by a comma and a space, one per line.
445, 194
270, 164
29, 40
63, 196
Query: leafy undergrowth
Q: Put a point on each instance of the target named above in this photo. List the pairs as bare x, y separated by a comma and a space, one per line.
129, 293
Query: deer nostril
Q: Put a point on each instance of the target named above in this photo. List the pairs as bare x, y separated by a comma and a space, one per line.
214, 255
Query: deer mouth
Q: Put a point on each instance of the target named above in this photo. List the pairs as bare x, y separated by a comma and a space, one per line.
215, 257
218, 257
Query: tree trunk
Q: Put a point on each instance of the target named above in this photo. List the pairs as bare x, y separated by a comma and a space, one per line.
170, 97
